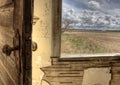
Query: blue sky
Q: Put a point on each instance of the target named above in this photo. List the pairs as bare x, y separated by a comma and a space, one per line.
110, 6
96, 13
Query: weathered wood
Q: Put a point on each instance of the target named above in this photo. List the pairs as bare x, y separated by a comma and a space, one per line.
8, 64
24, 24
16, 18
71, 72
2, 81
26, 41
6, 76
56, 25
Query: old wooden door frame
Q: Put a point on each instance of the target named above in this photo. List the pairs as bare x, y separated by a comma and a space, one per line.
23, 15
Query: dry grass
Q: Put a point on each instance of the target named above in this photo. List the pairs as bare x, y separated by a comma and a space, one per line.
90, 42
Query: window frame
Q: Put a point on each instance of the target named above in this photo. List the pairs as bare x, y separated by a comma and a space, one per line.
56, 37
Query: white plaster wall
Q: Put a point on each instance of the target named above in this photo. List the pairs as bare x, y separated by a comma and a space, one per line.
42, 36
97, 76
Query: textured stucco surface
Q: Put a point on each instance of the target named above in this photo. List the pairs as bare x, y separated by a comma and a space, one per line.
42, 36
41, 58
97, 76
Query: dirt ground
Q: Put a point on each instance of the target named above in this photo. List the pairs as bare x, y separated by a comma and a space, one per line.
90, 42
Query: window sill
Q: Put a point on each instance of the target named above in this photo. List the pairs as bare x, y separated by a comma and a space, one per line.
90, 57
64, 55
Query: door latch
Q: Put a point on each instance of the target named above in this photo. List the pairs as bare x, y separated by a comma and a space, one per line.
8, 50
34, 46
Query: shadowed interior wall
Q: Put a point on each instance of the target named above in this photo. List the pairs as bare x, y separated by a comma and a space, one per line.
42, 32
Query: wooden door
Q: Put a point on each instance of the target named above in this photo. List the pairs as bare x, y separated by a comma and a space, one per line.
15, 42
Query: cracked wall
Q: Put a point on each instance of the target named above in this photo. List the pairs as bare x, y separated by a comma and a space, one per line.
42, 36
42, 32
97, 76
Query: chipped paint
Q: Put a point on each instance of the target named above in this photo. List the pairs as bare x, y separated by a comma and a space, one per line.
42, 36
97, 76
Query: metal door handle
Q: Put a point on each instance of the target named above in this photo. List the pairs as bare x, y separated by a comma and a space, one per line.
8, 50
34, 46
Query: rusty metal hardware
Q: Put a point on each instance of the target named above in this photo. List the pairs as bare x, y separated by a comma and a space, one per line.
8, 50
34, 46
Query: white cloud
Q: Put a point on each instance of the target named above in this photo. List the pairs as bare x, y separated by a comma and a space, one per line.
94, 4
114, 11
90, 18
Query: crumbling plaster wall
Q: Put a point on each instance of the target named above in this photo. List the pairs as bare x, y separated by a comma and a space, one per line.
42, 36
97, 76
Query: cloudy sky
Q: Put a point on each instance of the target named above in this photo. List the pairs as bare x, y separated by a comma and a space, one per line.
110, 6
92, 13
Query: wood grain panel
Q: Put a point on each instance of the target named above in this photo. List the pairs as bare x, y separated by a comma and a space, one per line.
8, 64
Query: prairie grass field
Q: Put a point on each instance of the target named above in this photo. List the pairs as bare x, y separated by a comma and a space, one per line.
90, 42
